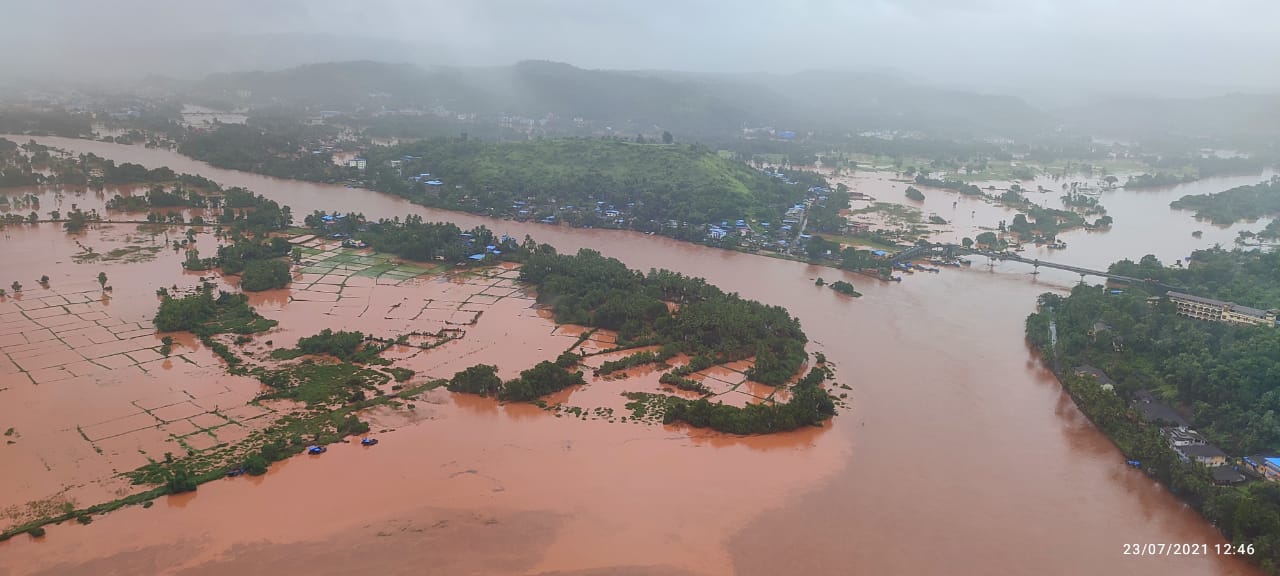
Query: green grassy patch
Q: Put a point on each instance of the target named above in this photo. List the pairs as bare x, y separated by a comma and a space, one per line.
321, 384
401, 374
376, 270
893, 213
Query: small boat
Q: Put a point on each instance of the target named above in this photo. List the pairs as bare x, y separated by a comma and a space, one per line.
232, 473
368, 441
1134, 463
316, 450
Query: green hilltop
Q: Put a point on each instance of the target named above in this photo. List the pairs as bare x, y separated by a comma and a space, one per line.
687, 183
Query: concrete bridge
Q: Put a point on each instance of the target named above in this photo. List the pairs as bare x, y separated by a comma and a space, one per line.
951, 250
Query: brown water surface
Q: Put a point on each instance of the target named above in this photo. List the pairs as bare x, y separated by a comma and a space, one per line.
959, 453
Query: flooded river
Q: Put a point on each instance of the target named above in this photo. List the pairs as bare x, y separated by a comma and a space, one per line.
959, 453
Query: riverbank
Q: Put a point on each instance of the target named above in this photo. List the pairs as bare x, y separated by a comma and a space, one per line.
1012, 479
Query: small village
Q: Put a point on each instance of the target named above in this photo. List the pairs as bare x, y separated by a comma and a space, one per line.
1189, 444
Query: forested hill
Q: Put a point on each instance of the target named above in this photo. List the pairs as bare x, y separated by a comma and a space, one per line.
687, 103
567, 178
531, 89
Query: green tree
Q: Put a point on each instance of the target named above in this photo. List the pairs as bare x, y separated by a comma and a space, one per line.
844, 288
180, 480
480, 379
667, 138
256, 464
265, 275
102, 279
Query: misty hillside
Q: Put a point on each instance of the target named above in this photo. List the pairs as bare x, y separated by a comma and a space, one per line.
1249, 117
884, 102
691, 103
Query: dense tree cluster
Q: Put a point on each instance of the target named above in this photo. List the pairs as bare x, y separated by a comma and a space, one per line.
844, 288
1159, 179
421, 241
266, 147
480, 379
342, 344
1248, 277
1239, 203
1045, 222
592, 290
961, 187
206, 315
809, 405
262, 275
544, 378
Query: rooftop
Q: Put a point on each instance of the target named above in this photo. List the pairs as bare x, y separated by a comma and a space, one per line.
1226, 475
1154, 410
1197, 299
1255, 312
1101, 376
1202, 451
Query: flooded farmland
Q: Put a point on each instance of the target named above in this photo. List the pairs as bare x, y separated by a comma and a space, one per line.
958, 452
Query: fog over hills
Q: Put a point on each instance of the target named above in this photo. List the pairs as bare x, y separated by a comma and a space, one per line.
1053, 52
956, 68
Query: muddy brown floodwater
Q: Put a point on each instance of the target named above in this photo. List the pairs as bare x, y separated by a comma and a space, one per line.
959, 453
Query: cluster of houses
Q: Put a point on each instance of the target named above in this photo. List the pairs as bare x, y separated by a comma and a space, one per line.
1189, 444
602, 214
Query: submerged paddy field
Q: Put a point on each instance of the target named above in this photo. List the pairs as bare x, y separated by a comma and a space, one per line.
105, 410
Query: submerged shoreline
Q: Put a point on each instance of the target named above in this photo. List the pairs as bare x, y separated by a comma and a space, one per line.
622, 495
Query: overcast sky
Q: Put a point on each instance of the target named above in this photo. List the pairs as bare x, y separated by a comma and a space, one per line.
1019, 46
